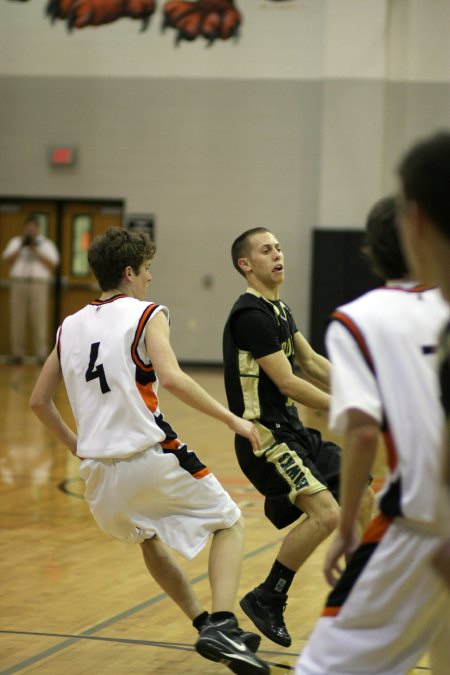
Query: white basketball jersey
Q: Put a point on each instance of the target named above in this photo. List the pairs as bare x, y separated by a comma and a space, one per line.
110, 382
383, 352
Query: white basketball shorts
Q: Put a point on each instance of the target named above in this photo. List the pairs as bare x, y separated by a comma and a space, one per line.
148, 494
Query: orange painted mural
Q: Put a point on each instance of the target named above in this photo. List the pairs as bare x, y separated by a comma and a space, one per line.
189, 20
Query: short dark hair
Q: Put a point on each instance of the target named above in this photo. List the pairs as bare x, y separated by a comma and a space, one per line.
425, 175
115, 249
240, 246
381, 241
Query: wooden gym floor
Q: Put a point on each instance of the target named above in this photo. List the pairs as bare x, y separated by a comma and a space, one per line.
75, 602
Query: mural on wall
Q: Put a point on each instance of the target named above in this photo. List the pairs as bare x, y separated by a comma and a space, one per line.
190, 19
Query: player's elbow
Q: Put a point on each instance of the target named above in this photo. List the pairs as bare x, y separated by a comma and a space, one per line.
37, 403
34, 404
366, 436
286, 385
166, 381
170, 379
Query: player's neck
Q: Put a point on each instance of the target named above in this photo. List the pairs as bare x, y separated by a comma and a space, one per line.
107, 295
270, 293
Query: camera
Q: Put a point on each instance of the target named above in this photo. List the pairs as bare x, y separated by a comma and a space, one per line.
27, 240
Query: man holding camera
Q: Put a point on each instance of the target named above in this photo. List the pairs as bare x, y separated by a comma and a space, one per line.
33, 259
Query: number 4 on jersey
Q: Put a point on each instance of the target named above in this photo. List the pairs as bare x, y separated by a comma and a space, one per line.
94, 371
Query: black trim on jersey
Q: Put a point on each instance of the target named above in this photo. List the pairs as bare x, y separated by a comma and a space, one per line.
170, 434
390, 502
58, 344
187, 459
444, 371
99, 302
144, 377
353, 570
142, 323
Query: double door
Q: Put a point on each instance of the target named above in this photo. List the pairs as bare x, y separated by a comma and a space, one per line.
71, 225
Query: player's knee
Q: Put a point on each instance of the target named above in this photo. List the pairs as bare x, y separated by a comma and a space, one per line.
325, 521
330, 519
322, 511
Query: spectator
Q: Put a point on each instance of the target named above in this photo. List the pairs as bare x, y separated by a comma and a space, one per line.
32, 258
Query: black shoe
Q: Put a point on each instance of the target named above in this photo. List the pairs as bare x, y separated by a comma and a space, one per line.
252, 640
266, 609
222, 641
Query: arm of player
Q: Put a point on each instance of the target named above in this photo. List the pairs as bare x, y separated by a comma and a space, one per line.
278, 368
181, 385
41, 402
358, 455
315, 367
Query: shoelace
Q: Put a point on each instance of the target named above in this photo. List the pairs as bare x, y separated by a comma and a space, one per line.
277, 602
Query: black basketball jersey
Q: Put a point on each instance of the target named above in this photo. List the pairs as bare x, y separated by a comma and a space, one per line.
257, 327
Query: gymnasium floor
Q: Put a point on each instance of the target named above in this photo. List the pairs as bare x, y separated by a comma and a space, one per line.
74, 602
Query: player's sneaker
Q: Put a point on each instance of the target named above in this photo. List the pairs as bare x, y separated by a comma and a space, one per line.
222, 641
266, 609
252, 640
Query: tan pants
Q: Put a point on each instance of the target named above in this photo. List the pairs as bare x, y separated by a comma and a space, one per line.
29, 312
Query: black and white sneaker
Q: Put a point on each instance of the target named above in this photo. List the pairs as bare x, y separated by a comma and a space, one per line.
266, 609
252, 640
222, 641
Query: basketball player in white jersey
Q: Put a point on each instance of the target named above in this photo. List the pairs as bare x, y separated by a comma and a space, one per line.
425, 233
386, 607
425, 230
143, 485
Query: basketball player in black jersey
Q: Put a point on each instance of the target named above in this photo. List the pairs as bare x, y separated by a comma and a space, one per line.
296, 470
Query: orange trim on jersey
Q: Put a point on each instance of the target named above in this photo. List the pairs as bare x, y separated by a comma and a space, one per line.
201, 474
373, 535
147, 367
358, 336
356, 333
174, 444
106, 302
420, 288
148, 395
376, 529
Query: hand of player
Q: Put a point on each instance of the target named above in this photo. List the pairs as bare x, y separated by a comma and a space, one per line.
340, 546
246, 429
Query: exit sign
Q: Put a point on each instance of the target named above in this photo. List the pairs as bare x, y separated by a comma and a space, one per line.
62, 155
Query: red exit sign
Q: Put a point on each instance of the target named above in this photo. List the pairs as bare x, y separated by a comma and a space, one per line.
62, 155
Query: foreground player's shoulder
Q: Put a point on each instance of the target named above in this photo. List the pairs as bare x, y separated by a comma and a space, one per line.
420, 300
78, 316
368, 304
151, 308
434, 296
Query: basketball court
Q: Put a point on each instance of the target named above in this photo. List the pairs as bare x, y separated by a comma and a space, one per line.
73, 601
